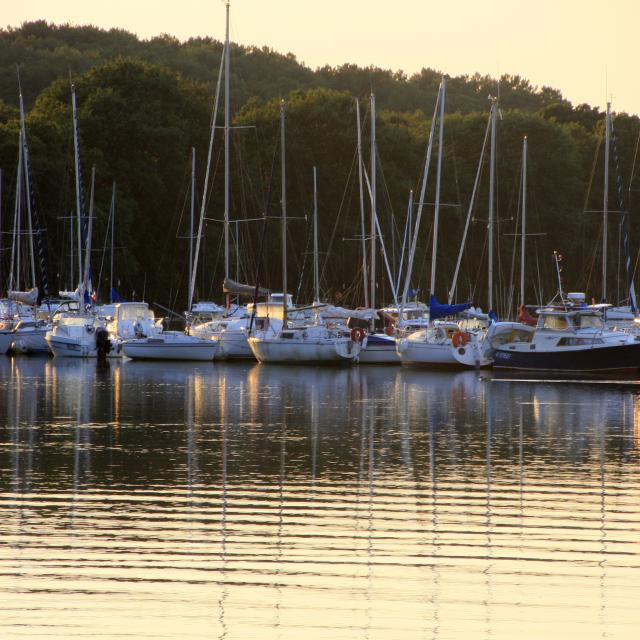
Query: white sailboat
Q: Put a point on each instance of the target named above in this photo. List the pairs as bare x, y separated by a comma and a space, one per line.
229, 328
170, 345
379, 348
431, 346
276, 339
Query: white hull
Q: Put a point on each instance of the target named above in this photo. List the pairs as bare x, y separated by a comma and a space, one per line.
62, 347
6, 339
165, 348
426, 353
307, 351
30, 341
378, 353
471, 355
234, 345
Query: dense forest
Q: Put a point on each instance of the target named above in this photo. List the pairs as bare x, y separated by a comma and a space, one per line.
143, 105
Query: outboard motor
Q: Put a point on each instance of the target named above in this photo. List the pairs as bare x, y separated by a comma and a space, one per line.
103, 343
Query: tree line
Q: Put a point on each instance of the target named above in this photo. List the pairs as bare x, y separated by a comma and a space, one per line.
143, 105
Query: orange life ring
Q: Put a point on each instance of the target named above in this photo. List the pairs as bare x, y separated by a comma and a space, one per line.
357, 334
459, 339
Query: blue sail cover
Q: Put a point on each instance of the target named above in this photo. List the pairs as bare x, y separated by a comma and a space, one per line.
115, 296
438, 310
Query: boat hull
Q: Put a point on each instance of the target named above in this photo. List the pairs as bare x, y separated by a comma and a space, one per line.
617, 358
62, 347
158, 349
471, 356
379, 350
277, 350
6, 339
427, 354
234, 346
30, 342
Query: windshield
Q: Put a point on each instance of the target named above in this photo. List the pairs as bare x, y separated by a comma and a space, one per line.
555, 323
591, 322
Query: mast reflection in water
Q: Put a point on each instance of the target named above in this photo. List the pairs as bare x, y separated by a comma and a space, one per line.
240, 500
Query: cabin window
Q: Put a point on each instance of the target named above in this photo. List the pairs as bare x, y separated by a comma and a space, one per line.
574, 342
556, 323
590, 322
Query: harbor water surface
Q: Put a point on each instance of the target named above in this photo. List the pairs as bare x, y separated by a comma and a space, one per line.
251, 501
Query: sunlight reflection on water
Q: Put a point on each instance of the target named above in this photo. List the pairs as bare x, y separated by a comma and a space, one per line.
241, 500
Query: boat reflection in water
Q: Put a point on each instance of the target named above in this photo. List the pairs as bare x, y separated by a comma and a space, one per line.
238, 500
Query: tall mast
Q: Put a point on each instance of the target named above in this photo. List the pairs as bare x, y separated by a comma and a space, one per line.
14, 273
492, 179
226, 148
87, 251
437, 203
113, 229
373, 204
284, 216
193, 208
524, 217
77, 169
423, 187
363, 241
605, 204
25, 167
205, 188
316, 270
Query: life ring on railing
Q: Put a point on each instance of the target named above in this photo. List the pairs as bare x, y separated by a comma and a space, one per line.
459, 339
357, 334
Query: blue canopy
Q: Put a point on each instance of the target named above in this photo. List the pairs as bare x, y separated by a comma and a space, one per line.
438, 310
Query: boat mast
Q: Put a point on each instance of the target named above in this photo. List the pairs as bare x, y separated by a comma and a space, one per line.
524, 217
492, 178
14, 275
25, 166
363, 241
87, 251
284, 215
226, 150
77, 169
193, 207
316, 270
437, 203
372, 295
605, 204
113, 228
472, 203
205, 188
423, 187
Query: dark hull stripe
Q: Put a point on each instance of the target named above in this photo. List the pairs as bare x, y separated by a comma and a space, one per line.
616, 358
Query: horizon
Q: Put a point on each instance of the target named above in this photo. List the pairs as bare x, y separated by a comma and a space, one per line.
597, 72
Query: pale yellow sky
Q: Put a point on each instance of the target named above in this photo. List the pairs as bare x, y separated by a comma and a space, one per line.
585, 48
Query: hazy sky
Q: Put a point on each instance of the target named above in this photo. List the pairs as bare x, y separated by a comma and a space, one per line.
587, 49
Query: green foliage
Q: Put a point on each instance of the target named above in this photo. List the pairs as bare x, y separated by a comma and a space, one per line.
142, 105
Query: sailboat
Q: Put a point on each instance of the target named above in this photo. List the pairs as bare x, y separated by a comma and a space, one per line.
277, 339
431, 346
228, 328
481, 352
28, 329
627, 314
76, 330
380, 347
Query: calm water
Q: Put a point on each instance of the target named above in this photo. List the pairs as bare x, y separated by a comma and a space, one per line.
250, 501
